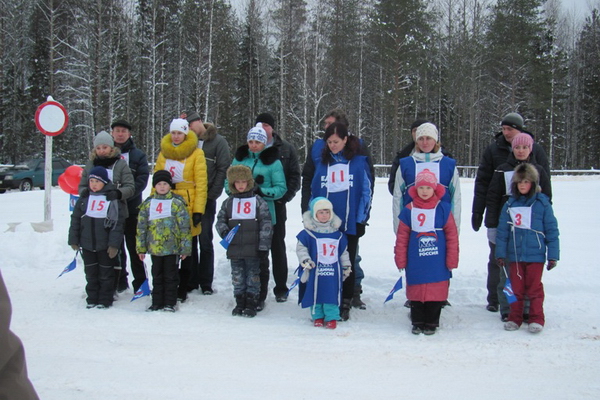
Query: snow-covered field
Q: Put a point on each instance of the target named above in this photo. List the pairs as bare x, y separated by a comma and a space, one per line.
201, 351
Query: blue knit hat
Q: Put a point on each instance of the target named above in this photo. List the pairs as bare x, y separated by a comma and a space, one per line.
99, 173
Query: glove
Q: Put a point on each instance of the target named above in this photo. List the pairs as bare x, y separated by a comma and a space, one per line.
113, 195
307, 264
500, 262
258, 191
346, 271
551, 264
360, 229
260, 179
75, 247
85, 192
305, 275
112, 252
476, 220
196, 218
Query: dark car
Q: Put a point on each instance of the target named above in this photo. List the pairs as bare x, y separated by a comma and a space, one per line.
30, 174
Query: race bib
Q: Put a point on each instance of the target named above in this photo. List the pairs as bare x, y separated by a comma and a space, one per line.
125, 156
521, 217
160, 208
327, 250
110, 174
432, 166
200, 144
244, 208
338, 178
507, 181
97, 206
422, 220
175, 168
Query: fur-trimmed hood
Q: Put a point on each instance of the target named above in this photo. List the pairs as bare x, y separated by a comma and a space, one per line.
182, 151
313, 225
209, 134
268, 156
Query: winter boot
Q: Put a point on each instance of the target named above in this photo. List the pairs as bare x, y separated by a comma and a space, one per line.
240, 304
356, 301
345, 309
250, 308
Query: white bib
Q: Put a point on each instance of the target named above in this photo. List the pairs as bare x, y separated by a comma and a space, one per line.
160, 208
521, 217
110, 174
327, 250
422, 220
507, 181
176, 169
243, 208
338, 178
97, 206
125, 156
200, 144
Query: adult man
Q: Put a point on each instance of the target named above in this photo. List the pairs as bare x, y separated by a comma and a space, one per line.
218, 159
289, 158
313, 157
138, 164
406, 151
496, 154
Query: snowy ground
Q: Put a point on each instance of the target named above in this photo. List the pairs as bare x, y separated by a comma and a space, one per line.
201, 351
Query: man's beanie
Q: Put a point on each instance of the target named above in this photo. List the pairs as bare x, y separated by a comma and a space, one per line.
427, 129
162, 176
320, 203
417, 123
523, 139
513, 120
257, 133
193, 116
180, 125
266, 118
121, 122
99, 173
104, 137
426, 178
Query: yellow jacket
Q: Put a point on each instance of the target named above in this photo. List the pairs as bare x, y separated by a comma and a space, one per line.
194, 187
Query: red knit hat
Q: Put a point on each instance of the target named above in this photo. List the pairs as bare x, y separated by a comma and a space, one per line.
426, 178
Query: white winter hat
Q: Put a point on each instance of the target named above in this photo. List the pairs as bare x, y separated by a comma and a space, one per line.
180, 125
257, 133
427, 129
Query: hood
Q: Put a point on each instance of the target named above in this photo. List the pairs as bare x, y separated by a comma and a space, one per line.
316, 226
209, 134
184, 150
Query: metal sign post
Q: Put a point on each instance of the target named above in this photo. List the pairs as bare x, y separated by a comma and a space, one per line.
51, 119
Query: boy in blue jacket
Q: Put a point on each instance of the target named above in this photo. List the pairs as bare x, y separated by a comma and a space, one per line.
527, 236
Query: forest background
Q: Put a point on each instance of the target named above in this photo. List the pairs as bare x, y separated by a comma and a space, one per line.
462, 64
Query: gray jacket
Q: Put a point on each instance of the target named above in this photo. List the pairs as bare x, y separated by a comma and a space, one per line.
218, 159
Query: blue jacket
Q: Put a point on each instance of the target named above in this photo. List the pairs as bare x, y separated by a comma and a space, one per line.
537, 244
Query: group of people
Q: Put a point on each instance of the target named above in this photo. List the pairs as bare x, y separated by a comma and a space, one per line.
337, 182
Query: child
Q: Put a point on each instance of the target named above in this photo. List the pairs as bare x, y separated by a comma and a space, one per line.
427, 246
323, 255
252, 240
163, 231
527, 236
97, 226
499, 191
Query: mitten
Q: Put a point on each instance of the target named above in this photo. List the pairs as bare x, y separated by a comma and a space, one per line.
305, 275
307, 264
75, 247
346, 271
112, 252
196, 218
476, 220
113, 195
260, 179
551, 264
500, 262
258, 191
360, 229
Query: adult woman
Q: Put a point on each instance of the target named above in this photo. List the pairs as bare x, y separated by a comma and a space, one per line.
343, 177
180, 155
269, 178
427, 155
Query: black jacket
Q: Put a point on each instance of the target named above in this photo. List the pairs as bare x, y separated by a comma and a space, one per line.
291, 167
138, 164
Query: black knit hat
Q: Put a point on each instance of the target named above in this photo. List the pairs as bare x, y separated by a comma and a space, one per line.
417, 123
162, 176
513, 120
121, 122
193, 116
266, 118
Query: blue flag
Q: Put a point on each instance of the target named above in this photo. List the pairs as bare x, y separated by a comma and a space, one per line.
293, 285
227, 240
69, 267
396, 287
508, 291
144, 290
